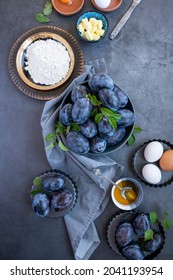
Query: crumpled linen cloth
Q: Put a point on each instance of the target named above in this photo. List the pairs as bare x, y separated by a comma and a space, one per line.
93, 192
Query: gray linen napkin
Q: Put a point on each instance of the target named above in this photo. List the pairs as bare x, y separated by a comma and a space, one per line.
93, 192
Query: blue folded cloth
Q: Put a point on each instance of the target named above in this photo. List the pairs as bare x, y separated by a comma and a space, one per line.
93, 192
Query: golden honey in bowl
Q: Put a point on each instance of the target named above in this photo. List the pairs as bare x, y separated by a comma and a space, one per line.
131, 194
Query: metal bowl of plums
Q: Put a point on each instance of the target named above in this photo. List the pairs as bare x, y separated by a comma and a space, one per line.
53, 194
97, 117
135, 236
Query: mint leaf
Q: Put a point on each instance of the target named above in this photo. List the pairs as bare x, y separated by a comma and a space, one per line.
74, 127
41, 18
98, 117
165, 214
47, 9
38, 182
148, 234
153, 217
51, 146
110, 113
107, 112
166, 223
36, 192
60, 128
137, 129
131, 140
112, 122
94, 113
95, 101
50, 137
62, 146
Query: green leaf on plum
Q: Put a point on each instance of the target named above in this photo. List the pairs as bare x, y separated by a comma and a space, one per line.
153, 217
131, 140
98, 117
62, 146
36, 192
95, 101
112, 122
94, 112
110, 113
47, 8
38, 182
149, 234
74, 127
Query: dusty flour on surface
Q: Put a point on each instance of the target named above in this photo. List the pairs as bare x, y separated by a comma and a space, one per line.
48, 61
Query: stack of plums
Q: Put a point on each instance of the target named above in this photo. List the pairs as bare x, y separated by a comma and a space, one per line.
129, 238
101, 112
53, 195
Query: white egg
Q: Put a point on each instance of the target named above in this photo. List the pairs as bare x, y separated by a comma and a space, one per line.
151, 173
102, 4
153, 151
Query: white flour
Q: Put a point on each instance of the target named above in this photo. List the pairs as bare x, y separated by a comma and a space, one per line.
48, 61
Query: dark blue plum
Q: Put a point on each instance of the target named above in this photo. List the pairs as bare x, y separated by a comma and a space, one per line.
122, 96
105, 129
124, 234
127, 118
140, 224
109, 98
41, 204
53, 182
81, 110
77, 142
154, 244
98, 145
79, 92
117, 136
88, 129
133, 252
99, 81
61, 200
65, 114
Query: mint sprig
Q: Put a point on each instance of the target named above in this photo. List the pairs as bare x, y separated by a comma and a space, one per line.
47, 10
132, 138
165, 222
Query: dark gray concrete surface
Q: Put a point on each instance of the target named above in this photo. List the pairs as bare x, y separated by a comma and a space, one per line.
140, 61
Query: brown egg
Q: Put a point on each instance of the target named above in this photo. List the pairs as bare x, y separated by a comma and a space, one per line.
166, 161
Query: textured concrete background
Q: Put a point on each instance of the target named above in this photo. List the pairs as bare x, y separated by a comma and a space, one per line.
140, 61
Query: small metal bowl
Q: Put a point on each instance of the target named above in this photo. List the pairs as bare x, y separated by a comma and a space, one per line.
134, 204
97, 16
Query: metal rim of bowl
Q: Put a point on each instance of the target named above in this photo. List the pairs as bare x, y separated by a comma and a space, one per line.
138, 200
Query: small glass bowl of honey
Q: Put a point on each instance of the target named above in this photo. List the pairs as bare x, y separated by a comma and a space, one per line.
126, 203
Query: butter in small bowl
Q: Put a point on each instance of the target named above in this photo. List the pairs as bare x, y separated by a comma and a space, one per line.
92, 26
